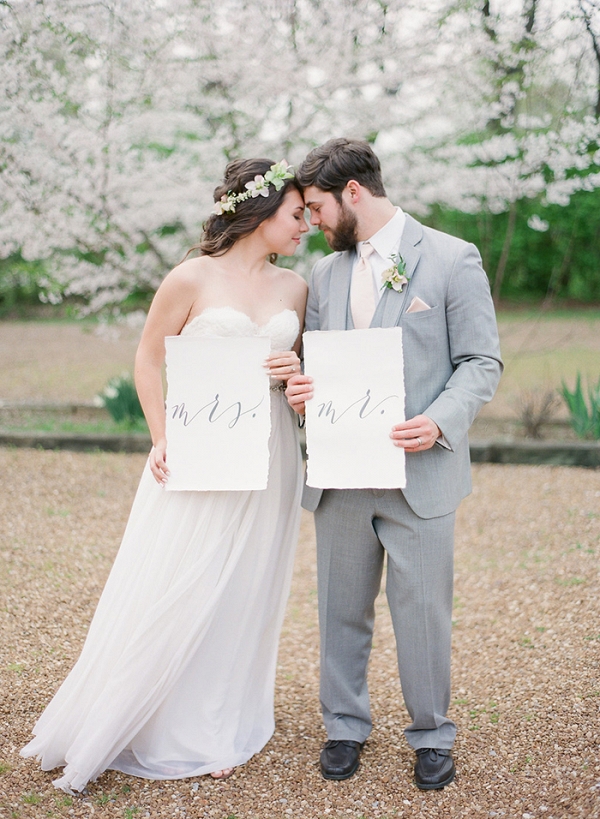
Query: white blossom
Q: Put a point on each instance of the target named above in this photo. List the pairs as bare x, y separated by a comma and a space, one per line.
536, 222
117, 119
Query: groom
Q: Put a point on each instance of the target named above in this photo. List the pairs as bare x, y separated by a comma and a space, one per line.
451, 367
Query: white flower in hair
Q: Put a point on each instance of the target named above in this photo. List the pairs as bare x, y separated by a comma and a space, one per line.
224, 205
258, 187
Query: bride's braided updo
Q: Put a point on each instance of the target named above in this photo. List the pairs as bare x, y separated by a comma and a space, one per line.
221, 231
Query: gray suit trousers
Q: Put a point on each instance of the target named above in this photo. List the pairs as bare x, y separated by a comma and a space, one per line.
355, 527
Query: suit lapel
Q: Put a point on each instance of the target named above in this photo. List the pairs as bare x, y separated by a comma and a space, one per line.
392, 304
341, 274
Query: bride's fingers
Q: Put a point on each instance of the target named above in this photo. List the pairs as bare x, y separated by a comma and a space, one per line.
158, 474
284, 372
158, 465
288, 360
287, 368
283, 365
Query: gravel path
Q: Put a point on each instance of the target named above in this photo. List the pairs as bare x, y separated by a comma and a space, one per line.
526, 656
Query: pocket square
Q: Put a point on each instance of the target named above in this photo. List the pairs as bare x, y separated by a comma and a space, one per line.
417, 305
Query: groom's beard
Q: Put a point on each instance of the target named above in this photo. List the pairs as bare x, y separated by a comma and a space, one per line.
343, 236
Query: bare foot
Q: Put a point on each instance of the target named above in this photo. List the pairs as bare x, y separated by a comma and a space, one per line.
224, 774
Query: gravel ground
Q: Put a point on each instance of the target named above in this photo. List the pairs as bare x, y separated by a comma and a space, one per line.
526, 675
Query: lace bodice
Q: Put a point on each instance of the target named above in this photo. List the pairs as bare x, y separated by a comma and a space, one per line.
282, 328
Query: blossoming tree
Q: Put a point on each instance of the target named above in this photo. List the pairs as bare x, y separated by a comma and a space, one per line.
526, 97
116, 119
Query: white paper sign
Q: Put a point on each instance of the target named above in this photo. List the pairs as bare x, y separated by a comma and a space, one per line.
358, 382
218, 413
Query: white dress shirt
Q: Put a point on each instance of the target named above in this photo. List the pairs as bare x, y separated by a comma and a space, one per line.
385, 243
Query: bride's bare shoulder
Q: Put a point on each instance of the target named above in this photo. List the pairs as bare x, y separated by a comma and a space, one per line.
189, 273
292, 280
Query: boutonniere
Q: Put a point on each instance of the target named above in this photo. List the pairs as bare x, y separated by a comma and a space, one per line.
395, 276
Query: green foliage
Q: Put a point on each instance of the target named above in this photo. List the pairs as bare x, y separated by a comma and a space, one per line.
562, 262
316, 242
585, 421
121, 400
19, 285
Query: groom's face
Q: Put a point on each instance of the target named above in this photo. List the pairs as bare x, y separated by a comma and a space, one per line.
337, 221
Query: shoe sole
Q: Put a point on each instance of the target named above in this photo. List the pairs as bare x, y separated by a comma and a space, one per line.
340, 777
425, 787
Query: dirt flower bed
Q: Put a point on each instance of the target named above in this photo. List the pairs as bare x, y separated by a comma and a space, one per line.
526, 670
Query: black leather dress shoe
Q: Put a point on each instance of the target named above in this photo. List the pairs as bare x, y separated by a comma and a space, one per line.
434, 769
340, 758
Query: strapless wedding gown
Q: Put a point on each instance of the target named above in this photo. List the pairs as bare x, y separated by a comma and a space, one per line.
176, 677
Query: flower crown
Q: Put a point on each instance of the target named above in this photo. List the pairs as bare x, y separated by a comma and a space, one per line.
276, 175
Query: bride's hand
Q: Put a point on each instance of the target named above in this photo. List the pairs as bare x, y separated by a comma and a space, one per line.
283, 365
158, 461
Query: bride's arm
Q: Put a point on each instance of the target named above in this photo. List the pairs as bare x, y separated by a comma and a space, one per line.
301, 298
167, 315
283, 365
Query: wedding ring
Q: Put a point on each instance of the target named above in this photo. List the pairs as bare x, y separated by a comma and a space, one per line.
420, 442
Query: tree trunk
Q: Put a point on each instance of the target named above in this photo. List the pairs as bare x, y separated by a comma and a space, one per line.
587, 19
558, 272
500, 270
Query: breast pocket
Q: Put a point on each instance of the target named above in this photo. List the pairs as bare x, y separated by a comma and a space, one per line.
421, 314
426, 354
424, 333
422, 320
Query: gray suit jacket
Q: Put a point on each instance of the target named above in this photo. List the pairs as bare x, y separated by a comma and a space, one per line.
452, 361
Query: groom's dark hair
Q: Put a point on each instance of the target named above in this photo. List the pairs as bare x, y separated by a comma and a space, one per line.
332, 165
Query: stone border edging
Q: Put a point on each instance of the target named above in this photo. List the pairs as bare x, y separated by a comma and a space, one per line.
576, 453
78, 441
551, 453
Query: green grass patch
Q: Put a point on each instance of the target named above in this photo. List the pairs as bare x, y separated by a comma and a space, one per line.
50, 424
530, 368
536, 313
63, 801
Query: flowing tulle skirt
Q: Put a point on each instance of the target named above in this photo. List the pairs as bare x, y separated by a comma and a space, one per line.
177, 673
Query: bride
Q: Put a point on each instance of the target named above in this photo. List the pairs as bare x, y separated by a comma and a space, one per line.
176, 676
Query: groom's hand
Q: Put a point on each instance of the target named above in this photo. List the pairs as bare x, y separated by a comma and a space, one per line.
298, 392
416, 435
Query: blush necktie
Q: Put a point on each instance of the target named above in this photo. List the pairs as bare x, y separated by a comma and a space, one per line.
362, 297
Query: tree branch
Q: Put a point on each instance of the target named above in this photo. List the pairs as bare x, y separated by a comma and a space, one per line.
587, 19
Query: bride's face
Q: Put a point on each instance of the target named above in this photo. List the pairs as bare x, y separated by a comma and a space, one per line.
282, 231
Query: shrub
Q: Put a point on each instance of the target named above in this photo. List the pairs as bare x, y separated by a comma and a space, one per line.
584, 420
535, 410
121, 400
